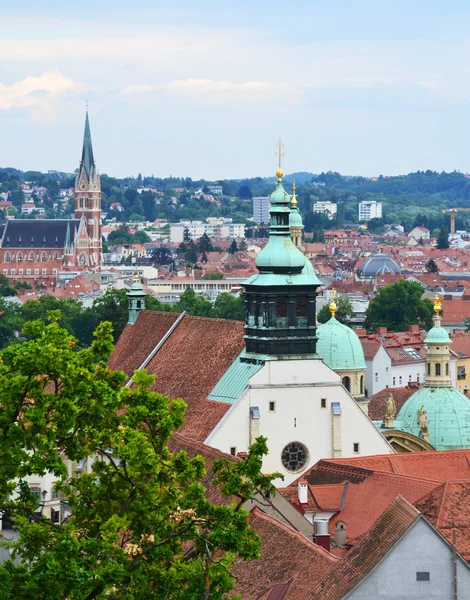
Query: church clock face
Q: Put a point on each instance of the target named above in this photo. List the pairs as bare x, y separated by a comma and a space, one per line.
82, 259
294, 457
83, 186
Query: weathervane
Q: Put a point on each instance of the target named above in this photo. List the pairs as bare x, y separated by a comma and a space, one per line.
279, 153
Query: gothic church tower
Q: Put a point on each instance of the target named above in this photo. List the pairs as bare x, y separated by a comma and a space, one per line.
88, 199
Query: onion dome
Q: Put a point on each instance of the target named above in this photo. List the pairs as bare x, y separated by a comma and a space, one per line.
339, 345
295, 218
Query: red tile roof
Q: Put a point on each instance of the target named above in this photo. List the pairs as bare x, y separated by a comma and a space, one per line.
188, 364
285, 554
377, 401
370, 549
446, 507
359, 503
442, 465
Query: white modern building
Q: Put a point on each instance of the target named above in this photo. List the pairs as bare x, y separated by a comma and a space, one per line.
214, 228
327, 207
370, 209
261, 209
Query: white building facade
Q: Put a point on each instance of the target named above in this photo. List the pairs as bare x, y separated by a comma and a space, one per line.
214, 228
261, 209
327, 207
370, 209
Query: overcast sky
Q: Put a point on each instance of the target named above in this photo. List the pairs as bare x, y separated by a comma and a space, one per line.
205, 89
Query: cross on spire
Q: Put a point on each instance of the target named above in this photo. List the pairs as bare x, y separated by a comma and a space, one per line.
279, 153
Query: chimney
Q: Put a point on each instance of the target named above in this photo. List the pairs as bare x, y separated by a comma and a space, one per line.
381, 330
413, 328
322, 535
302, 492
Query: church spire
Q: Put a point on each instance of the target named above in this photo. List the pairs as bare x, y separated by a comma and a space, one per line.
87, 162
437, 354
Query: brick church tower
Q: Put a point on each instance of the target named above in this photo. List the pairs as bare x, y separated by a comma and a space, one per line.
88, 201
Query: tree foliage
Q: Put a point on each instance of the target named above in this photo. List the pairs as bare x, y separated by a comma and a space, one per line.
443, 238
344, 311
141, 526
398, 306
431, 266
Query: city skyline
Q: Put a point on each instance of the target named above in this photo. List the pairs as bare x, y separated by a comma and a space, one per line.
205, 91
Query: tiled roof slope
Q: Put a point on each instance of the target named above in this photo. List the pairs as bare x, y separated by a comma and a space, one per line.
285, 554
442, 465
365, 498
448, 506
376, 409
371, 548
137, 341
189, 363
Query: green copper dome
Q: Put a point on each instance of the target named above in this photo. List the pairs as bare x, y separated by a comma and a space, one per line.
339, 346
437, 335
448, 413
295, 219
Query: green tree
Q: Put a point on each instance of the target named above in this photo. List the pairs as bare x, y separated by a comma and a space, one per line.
244, 193
194, 304
431, 266
227, 306
142, 525
6, 289
204, 243
186, 235
120, 236
344, 311
11, 322
443, 238
214, 275
233, 247
140, 237
398, 306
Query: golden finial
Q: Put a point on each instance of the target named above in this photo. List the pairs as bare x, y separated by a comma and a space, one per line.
333, 306
136, 277
437, 304
279, 154
294, 197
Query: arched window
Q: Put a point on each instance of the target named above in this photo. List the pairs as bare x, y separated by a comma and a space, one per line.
347, 383
19, 257
56, 256
82, 259
31, 256
7, 257
139, 304
43, 257
362, 384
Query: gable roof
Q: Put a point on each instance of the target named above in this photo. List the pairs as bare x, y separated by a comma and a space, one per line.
285, 555
359, 501
370, 549
448, 507
192, 355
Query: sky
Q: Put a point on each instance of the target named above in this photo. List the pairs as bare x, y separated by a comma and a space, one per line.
204, 89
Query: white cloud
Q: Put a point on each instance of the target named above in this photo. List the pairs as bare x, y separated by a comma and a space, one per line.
36, 91
218, 92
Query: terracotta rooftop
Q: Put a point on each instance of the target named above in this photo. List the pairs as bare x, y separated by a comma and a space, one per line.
443, 465
377, 401
188, 364
361, 500
285, 554
446, 507
370, 549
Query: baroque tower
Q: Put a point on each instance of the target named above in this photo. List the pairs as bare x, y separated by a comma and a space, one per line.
88, 200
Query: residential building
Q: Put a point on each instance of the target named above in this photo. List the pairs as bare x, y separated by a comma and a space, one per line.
261, 209
217, 190
326, 207
214, 228
370, 209
420, 233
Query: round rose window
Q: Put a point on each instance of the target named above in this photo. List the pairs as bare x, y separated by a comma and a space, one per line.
294, 457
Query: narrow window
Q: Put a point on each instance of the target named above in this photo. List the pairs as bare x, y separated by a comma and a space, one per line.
400, 380
233, 450
394, 381
438, 368
376, 378
447, 368
272, 406
423, 576
356, 447
323, 402
429, 368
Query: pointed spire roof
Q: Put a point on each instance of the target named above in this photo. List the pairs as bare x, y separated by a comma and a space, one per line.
87, 162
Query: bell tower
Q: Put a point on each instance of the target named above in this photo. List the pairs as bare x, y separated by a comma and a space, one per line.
88, 199
280, 300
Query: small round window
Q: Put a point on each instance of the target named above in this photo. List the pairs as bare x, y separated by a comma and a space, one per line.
294, 457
